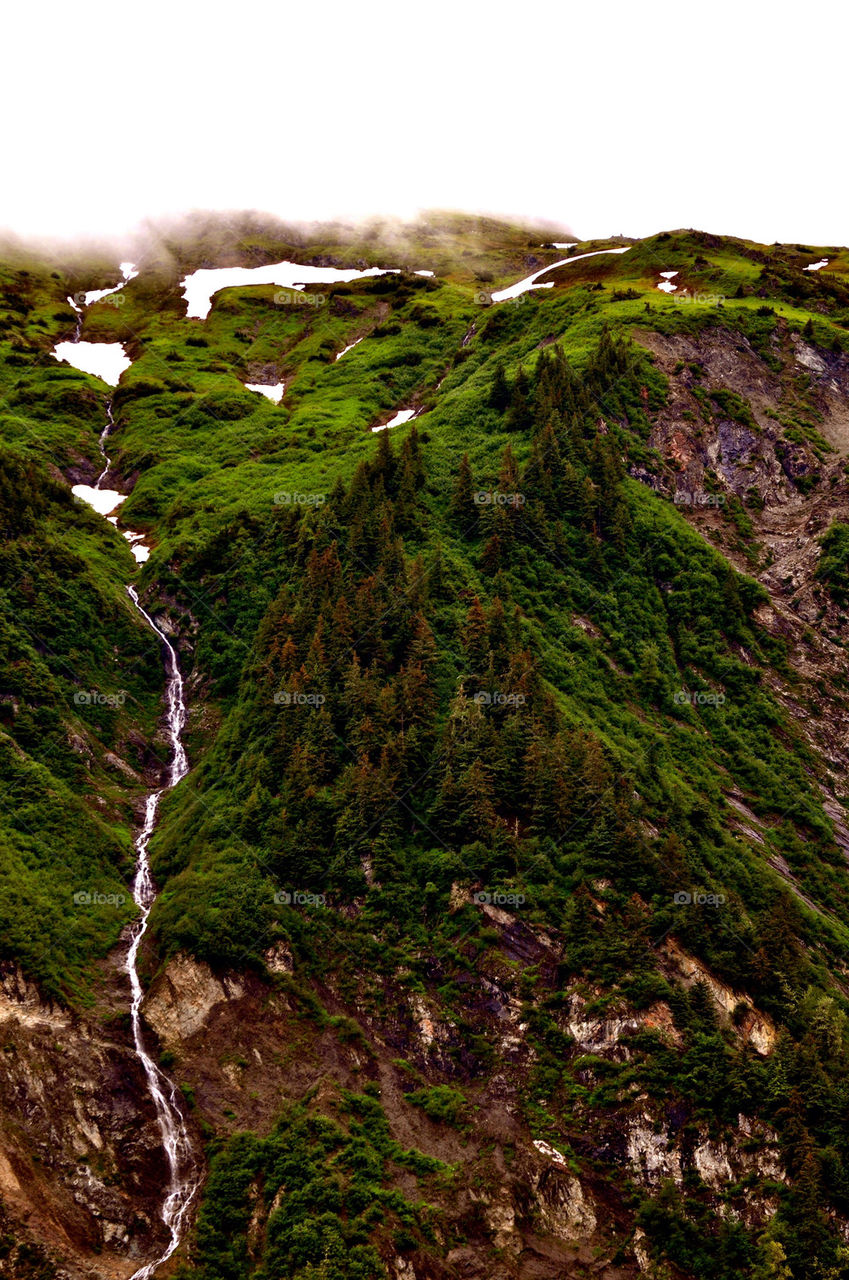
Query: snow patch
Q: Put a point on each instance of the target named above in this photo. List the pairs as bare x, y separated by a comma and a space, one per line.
403, 415
199, 287
106, 360
530, 282
666, 284
345, 350
104, 501
129, 273
137, 545
817, 266
273, 392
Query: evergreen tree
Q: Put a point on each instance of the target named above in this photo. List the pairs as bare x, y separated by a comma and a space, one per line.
519, 415
500, 393
463, 509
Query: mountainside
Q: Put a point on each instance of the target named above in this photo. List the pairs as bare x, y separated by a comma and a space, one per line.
503, 916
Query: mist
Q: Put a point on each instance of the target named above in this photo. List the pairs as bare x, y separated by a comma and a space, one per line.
634, 121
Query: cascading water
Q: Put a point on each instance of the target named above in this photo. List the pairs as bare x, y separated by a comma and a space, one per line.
107, 461
182, 1171
175, 1139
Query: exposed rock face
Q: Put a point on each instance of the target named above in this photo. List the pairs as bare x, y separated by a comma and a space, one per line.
241, 1046
756, 1028
789, 481
755, 454
87, 1174
604, 1035
181, 1002
562, 1209
80, 1151
657, 1150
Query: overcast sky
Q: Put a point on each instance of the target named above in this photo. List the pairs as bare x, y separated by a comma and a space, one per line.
626, 117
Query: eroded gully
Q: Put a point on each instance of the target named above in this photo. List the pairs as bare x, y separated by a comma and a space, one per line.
183, 1176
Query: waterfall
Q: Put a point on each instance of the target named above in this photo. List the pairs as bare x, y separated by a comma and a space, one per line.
183, 1179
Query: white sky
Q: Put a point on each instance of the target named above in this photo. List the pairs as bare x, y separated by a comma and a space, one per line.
628, 117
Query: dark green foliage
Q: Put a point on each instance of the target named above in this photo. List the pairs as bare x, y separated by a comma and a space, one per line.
439, 1102
833, 567
320, 1188
483, 658
67, 632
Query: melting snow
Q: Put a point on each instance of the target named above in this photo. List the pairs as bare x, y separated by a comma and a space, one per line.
106, 360
273, 392
349, 348
530, 282
94, 295
817, 266
564, 244
666, 283
103, 500
403, 415
129, 273
199, 287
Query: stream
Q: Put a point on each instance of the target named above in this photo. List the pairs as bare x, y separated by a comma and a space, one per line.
183, 1174
182, 1171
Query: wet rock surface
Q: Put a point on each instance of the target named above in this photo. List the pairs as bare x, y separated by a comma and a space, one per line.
80, 1149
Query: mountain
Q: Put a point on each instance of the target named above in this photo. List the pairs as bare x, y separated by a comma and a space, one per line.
502, 918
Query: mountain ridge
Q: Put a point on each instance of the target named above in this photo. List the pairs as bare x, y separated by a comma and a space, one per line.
504, 908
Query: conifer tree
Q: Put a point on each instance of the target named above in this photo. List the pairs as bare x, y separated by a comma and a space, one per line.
499, 395
463, 509
519, 415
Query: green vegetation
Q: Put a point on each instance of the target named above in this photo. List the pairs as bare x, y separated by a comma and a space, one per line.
77, 677
467, 672
833, 567
440, 1102
319, 1187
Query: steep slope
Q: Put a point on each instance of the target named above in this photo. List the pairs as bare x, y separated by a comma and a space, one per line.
504, 920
